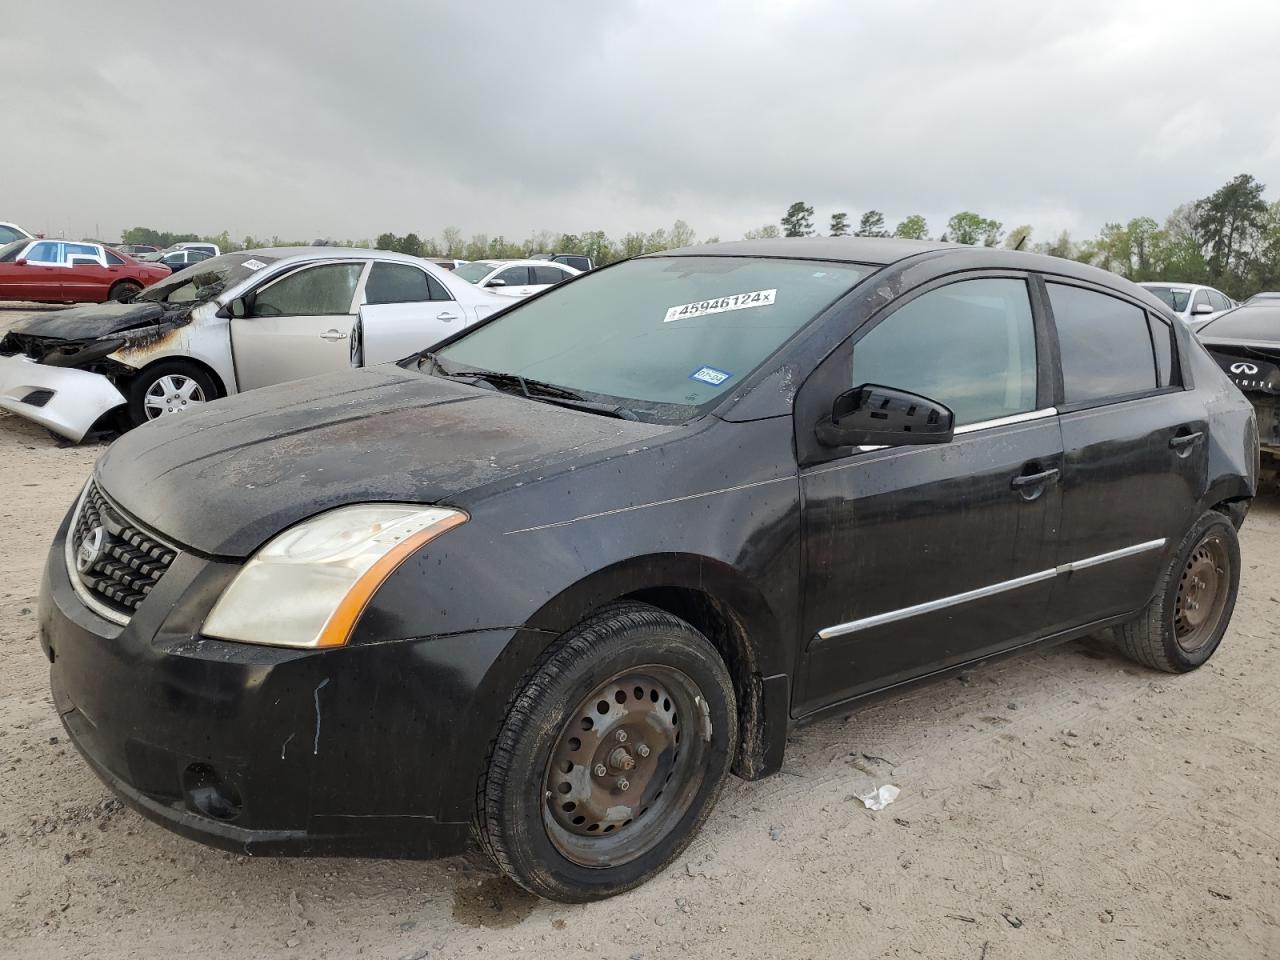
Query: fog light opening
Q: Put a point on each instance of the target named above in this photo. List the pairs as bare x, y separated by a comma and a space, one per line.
209, 794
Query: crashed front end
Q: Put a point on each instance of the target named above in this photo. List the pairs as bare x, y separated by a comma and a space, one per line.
56, 373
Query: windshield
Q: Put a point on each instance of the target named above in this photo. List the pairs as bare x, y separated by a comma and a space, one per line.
1246, 323
9, 252
205, 280
1175, 297
474, 272
658, 330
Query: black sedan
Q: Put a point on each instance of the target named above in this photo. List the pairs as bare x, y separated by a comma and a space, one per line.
1246, 344
555, 578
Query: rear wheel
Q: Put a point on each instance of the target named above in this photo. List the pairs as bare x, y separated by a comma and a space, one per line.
1186, 619
169, 387
124, 290
611, 756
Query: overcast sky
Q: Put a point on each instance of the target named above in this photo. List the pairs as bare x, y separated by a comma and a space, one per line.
328, 118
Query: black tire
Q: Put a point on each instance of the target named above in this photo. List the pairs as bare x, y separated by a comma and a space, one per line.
1161, 637
124, 290
632, 650
180, 371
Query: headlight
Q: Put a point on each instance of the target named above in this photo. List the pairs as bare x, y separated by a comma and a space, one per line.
308, 586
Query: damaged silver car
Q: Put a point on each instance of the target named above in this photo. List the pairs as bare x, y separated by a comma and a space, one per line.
225, 325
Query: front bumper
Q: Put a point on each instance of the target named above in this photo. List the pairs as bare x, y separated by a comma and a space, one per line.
368, 750
66, 401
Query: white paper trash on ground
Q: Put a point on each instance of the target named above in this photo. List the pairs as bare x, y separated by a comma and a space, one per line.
880, 798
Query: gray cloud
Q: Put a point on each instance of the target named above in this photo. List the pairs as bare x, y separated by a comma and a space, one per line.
325, 118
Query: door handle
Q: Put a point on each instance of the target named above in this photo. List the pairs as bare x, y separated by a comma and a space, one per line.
446, 317
1024, 480
1186, 440
333, 335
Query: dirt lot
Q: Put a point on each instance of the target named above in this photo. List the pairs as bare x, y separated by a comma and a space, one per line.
1062, 804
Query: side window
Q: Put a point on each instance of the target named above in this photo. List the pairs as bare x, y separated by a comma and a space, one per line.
1105, 345
438, 291
970, 345
1201, 300
46, 251
548, 275
113, 260
8, 235
396, 283
1162, 340
324, 290
514, 276
81, 250
1219, 301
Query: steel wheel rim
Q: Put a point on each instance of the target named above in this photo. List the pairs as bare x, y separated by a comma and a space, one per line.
608, 799
1202, 594
172, 393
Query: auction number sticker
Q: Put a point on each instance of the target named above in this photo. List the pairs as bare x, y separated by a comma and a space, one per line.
735, 301
710, 375
253, 264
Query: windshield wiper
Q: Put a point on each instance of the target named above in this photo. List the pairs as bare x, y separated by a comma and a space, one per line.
538, 390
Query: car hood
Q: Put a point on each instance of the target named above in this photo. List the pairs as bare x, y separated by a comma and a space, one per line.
94, 320
225, 479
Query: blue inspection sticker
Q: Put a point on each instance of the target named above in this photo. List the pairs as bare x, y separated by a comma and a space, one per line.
710, 375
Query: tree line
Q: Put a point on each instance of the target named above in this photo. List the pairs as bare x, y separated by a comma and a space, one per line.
1229, 239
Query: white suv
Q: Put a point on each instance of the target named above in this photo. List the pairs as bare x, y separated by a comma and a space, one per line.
1194, 303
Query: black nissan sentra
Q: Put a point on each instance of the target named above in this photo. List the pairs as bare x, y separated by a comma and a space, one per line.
553, 579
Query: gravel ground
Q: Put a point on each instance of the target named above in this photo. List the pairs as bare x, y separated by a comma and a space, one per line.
1065, 803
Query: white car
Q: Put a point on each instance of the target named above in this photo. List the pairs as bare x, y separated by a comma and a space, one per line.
226, 325
1193, 302
515, 278
10, 232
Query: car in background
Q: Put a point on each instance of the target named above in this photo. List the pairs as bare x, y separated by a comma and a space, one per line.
63, 271
1264, 295
181, 259
546, 585
577, 261
447, 263
208, 249
1246, 344
137, 250
1194, 303
10, 232
515, 278
226, 325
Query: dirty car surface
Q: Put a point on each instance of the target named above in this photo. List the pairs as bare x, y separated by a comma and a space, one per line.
551, 580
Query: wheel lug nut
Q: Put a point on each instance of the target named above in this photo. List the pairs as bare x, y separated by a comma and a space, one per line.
601, 770
622, 736
643, 750
623, 784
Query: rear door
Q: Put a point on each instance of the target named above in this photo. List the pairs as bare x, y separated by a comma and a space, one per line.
548, 276
297, 325
406, 310
87, 278
1134, 452
922, 557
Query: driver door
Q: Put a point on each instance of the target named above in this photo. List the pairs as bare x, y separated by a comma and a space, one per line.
298, 325
921, 557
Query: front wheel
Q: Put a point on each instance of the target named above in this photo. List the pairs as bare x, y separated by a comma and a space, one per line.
611, 756
169, 387
1185, 620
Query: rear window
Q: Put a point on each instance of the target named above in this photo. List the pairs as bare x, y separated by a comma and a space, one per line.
1105, 345
1246, 323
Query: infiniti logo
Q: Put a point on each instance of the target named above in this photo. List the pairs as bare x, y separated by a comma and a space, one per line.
90, 550
1247, 368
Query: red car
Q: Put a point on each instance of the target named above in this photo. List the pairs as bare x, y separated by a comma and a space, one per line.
59, 271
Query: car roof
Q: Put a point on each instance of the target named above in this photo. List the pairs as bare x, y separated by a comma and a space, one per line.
885, 251
333, 253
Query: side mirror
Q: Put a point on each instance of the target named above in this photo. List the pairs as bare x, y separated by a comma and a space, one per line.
237, 309
871, 415
496, 283
1200, 308
20, 263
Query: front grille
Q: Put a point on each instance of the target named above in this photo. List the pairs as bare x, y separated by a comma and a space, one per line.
115, 560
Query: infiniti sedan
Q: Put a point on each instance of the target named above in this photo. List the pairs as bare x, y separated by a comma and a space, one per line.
554, 579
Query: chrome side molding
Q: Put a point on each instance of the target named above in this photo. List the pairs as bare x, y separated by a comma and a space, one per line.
879, 619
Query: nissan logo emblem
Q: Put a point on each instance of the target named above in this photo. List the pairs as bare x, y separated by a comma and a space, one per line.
90, 550
1246, 368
